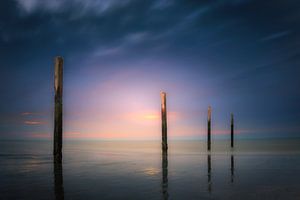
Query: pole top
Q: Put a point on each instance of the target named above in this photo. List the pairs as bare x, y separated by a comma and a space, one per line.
58, 58
163, 93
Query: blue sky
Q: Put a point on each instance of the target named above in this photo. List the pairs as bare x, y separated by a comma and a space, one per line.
239, 56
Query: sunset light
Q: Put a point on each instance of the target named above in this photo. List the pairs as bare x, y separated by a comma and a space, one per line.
149, 99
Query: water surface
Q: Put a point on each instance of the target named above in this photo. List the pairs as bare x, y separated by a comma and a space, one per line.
257, 169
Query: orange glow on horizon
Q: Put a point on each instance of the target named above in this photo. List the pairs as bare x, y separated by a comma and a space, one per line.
151, 116
35, 122
136, 134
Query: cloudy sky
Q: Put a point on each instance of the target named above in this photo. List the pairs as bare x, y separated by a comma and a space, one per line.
239, 56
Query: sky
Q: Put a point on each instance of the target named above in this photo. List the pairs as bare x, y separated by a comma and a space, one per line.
238, 56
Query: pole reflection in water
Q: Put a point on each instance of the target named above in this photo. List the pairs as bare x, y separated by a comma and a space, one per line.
165, 175
209, 172
58, 181
232, 168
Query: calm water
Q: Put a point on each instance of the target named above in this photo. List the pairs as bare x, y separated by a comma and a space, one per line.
138, 170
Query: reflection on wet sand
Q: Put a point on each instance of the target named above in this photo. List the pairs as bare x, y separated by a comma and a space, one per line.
165, 175
209, 172
58, 181
232, 168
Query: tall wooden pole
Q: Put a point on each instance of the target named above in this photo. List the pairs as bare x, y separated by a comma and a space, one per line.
232, 130
209, 129
58, 115
164, 121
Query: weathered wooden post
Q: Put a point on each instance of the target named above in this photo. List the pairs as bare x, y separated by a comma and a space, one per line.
232, 130
164, 145
164, 121
209, 129
58, 115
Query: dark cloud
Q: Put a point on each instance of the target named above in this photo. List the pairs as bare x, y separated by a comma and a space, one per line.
275, 36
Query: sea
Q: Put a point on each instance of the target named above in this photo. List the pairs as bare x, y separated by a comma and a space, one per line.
253, 169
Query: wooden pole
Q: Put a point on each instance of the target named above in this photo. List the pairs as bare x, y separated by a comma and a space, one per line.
58, 115
164, 121
232, 131
209, 129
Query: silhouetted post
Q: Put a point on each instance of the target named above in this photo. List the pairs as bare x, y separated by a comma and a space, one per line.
209, 172
232, 130
164, 121
209, 129
58, 116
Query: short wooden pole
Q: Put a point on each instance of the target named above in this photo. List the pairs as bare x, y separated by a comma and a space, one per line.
209, 129
232, 131
164, 121
58, 115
